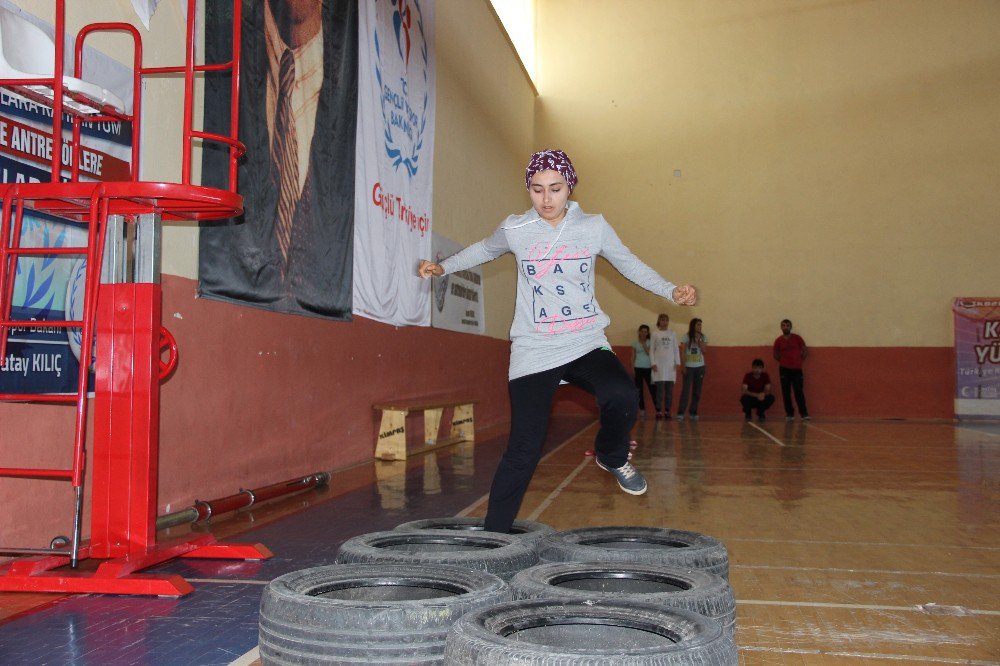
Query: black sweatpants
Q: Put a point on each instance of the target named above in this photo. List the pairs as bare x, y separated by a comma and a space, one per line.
644, 376
793, 381
601, 374
751, 403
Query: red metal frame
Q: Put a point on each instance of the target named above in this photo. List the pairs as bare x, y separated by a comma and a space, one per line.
126, 319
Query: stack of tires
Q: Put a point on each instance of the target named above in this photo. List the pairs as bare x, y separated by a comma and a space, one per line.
443, 591
370, 613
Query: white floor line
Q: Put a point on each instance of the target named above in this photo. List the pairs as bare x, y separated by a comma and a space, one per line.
472, 507
875, 607
555, 493
568, 440
888, 572
247, 659
234, 581
826, 470
867, 655
866, 543
978, 432
775, 439
887, 544
827, 432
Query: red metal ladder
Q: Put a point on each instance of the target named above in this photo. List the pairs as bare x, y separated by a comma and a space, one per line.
11, 226
125, 319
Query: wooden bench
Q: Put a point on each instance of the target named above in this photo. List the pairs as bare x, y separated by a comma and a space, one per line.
392, 432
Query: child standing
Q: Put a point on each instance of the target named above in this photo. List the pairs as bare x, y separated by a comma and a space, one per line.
666, 358
642, 368
693, 351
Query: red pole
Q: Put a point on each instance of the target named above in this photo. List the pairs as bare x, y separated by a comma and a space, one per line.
201, 510
5, 259
57, 91
188, 93
137, 73
95, 257
234, 96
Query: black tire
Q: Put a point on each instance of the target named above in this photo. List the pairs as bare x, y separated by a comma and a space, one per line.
547, 632
369, 613
690, 589
528, 530
500, 554
653, 545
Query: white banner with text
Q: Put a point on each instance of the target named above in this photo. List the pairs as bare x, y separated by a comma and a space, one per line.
393, 177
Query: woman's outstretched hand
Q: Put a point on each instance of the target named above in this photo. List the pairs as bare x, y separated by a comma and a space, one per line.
685, 295
430, 269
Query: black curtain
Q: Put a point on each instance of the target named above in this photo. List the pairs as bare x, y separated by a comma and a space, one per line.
240, 260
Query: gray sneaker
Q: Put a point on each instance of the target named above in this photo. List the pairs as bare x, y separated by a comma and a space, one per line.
629, 478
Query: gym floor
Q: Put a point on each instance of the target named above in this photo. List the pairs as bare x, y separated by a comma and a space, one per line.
850, 542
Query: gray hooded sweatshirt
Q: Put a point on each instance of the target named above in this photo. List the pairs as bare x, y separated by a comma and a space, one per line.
556, 316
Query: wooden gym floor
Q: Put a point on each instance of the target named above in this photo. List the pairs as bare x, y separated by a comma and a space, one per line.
850, 542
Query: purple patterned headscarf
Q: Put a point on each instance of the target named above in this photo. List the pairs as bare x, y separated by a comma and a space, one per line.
556, 160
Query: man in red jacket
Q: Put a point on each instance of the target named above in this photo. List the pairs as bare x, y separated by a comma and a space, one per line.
789, 351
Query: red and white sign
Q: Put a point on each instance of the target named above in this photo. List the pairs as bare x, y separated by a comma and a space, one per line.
31, 144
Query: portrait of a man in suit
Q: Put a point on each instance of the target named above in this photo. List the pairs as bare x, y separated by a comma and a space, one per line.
291, 250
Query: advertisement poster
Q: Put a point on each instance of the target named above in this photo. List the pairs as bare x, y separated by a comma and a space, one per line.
457, 299
50, 288
977, 357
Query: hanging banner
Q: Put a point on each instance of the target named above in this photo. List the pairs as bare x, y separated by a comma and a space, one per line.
977, 357
396, 108
50, 287
43, 360
458, 297
291, 249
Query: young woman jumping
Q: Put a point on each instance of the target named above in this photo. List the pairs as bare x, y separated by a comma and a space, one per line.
558, 330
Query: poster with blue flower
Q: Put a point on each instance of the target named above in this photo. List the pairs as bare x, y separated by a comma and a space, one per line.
42, 360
